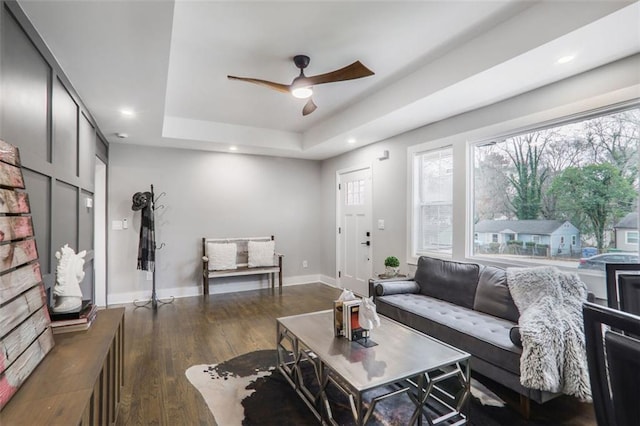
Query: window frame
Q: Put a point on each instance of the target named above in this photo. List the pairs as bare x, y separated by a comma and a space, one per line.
412, 206
498, 136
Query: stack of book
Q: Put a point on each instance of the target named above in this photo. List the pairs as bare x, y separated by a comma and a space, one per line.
79, 320
347, 322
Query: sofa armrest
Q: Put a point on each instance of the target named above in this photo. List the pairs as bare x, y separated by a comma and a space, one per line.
515, 337
385, 288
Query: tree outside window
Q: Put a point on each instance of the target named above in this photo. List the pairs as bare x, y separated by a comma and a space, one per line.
571, 182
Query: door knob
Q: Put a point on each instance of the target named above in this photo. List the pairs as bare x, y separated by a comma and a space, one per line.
366, 243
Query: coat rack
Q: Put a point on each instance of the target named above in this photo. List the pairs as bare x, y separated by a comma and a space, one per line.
146, 201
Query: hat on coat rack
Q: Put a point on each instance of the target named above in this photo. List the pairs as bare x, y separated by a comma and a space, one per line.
140, 200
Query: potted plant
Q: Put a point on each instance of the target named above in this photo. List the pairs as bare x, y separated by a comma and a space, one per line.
392, 265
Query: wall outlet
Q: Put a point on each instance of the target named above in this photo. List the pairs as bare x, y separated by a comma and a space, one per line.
305, 264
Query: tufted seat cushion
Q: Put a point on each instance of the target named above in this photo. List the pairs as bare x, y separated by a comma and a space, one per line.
484, 336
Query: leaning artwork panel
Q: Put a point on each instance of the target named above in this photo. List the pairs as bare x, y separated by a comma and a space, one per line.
25, 329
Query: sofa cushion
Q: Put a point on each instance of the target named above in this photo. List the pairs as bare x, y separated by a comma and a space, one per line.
384, 288
484, 336
453, 282
493, 296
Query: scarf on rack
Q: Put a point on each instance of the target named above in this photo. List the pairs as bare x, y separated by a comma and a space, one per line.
147, 245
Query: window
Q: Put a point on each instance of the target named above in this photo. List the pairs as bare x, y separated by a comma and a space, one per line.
355, 193
431, 229
573, 181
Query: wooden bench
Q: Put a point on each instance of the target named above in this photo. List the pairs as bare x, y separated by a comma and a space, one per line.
241, 261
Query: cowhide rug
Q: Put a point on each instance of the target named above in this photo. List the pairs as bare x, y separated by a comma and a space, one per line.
249, 390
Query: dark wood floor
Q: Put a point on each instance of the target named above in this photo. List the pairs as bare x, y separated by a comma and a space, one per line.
161, 345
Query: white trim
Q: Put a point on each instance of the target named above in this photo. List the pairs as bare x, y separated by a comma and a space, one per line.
100, 233
190, 291
339, 172
626, 236
412, 151
561, 120
468, 220
330, 281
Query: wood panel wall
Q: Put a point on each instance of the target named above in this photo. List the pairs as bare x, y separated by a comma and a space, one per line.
58, 139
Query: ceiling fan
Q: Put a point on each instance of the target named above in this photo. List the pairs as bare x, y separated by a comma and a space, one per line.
302, 86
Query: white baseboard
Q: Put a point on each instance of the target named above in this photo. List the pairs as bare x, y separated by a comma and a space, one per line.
161, 293
325, 279
227, 287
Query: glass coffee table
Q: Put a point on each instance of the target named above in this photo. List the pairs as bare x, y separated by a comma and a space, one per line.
405, 361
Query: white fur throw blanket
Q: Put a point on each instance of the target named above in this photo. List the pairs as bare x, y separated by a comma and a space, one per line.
554, 357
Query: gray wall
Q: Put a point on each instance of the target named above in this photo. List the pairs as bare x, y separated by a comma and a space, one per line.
604, 86
210, 195
43, 116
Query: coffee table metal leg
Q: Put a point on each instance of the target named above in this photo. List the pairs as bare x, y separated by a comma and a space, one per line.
427, 388
292, 370
287, 367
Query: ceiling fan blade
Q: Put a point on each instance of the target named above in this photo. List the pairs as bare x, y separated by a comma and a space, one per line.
309, 107
350, 72
284, 88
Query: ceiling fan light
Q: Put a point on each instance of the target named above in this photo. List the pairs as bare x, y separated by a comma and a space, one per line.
302, 92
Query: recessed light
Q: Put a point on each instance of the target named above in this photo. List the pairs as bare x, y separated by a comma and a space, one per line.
122, 135
351, 141
233, 148
127, 112
566, 59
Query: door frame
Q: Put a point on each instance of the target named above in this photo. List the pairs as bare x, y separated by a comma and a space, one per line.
340, 172
100, 232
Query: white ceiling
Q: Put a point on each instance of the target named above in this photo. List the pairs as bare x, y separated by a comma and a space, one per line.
168, 61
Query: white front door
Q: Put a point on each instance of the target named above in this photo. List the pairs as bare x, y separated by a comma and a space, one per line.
354, 230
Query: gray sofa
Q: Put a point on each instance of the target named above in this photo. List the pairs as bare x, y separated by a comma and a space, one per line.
468, 306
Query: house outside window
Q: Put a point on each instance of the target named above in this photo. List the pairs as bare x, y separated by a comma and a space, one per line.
570, 181
431, 230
